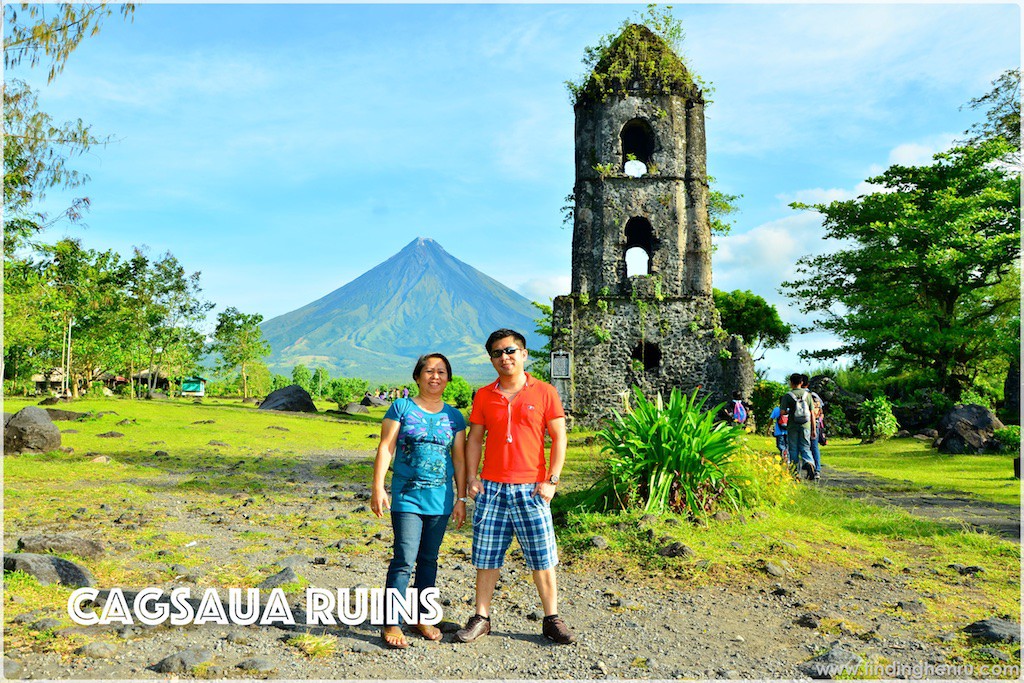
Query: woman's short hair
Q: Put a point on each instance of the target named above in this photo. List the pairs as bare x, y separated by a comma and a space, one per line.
423, 361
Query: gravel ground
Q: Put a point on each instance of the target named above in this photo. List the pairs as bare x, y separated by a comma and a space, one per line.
646, 627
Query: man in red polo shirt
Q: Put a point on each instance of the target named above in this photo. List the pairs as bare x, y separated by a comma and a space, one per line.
513, 492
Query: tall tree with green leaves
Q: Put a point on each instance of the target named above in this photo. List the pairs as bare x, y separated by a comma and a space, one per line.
302, 376
540, 366
920, 284
750, 316
1001, 105
239, 341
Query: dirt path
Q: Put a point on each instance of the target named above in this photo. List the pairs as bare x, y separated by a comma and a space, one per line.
955, 508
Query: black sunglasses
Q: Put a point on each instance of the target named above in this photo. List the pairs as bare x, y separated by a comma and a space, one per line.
507, 351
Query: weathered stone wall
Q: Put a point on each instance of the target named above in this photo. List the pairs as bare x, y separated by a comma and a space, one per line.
672, 196
602, 333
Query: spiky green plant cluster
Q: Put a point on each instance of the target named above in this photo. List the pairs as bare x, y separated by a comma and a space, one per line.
670, 456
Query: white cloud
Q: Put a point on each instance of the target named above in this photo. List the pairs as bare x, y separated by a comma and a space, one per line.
543, 289
920, 153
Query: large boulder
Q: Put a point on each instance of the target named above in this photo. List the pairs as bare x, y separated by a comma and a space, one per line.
60, 543
355, 409
292, 398
373, 401
49, 569
842, 407
968, 429
31, 430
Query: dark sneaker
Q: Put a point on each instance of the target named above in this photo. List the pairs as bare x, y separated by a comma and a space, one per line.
476, 627
556, 630
809, 470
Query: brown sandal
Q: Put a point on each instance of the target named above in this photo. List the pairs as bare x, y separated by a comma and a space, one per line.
399, 642
428, 632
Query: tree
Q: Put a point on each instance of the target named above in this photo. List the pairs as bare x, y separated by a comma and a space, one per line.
750, 316
239, 341
302, 376
458, 392
36, 149
920, 285
319, 382
540, 367
1002, 115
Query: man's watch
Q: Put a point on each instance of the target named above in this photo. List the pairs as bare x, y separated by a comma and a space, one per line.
464, 499
554, 479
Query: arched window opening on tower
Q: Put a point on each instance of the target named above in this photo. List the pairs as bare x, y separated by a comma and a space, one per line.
637, 138
649, 354
638, 262
640, 246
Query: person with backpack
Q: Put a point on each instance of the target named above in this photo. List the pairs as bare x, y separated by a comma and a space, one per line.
779, 420
818, 416
737, 411
800, 429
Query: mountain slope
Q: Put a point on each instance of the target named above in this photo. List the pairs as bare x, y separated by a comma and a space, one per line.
421, 299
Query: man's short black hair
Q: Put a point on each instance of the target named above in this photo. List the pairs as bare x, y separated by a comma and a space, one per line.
805, 380
796, 378
501, 334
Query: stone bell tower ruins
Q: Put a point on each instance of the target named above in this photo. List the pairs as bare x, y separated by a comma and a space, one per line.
641, 183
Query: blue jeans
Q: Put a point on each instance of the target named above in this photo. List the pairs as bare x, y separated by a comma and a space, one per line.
799, 439
816, 453
417, 541
780, 443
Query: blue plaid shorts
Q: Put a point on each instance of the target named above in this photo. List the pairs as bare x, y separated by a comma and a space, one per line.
502, 509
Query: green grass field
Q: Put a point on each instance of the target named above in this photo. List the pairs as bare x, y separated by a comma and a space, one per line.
258, 466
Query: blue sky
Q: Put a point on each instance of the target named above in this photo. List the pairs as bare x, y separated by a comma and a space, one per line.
284, 150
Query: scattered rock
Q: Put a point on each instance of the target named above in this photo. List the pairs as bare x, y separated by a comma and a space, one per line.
101, 459
676, 549
903, 434
722, 516
215, 442
12, 669
238, 638
286, 575
912, 606
127, 421
257, 664
61, 543
160, 454
58, 415
54, 400
97, 650
993, 653
355, 409
774, 569
599, 542
964, 570
535, 615
831, 664
204, 422
183, 661
110, 435
31, 430
809, 620
292, 398
280, 429
45, 624
49, 569
69, 431
994, 630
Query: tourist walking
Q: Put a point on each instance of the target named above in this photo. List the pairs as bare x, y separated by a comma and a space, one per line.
796, 406
426, 437
779, 421
513, 491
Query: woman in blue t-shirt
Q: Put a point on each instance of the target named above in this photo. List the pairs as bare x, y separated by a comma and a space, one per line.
426, 437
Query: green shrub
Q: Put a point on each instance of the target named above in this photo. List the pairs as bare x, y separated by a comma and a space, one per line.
836, 423
667, 457
763, 398
1009, 439
876, 419
458, 392
970, 396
